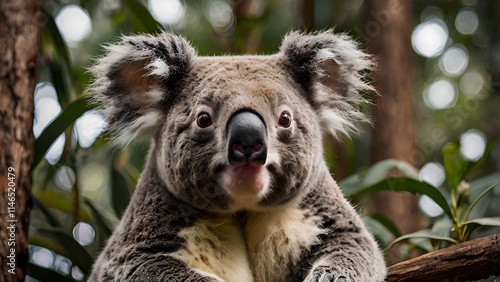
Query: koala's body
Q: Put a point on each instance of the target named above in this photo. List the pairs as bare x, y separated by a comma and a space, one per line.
235, 187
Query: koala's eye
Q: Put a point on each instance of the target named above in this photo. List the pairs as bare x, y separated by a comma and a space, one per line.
204, 120
285, 119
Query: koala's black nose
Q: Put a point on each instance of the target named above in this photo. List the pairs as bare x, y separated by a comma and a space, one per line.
246, 135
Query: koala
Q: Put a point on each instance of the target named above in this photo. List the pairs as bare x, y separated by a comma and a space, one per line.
235, 187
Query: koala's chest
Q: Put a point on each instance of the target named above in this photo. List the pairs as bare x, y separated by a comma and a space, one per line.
264, 250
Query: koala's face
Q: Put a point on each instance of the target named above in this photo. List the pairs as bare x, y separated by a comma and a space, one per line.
233, 133
240, 135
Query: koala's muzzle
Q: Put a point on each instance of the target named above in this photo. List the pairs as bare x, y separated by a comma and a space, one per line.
246, 135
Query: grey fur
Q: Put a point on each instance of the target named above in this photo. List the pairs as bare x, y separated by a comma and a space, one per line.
157, 85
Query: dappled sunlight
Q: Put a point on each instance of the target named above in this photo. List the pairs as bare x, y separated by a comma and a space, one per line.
89, 127
472, 144
432, 173
167, 12
429, 38
440, 94
84, 233
74, 24
220, 15
466, 21
65, 177
454, 61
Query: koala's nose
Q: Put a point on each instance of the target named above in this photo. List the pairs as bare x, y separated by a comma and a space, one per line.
246, 135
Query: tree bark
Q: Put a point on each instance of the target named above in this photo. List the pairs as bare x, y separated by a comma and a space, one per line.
471, 260
388, 30
19, 30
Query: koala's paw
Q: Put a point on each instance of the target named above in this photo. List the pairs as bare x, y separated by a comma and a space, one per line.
327, 274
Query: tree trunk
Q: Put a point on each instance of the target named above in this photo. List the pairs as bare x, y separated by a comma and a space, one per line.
388, 30
19, 29
471, 260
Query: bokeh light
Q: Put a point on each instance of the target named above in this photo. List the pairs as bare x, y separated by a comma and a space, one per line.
472, 83
46, 109
472, 144
432, 173
88, 128
220, 15
454, 61
93, 175
41, 256
74, 24
65, 177
440, 94
76, 273
84, 233
466, 21
167, 12
429, 207
429, 37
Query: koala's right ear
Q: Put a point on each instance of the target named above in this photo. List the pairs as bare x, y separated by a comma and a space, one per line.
135, 81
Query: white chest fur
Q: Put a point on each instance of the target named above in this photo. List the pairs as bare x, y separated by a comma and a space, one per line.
217, 247
274, 240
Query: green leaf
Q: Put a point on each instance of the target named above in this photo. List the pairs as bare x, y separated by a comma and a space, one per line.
59, 44
471, 207
473, 225
378, 230
455, 166
407, 185
45, 274
98, 220
57, 127
382, 169
51, 219
120, 192
387, 223
77, 254
376, 173
56, 200
141, 18
426, 233
477, 187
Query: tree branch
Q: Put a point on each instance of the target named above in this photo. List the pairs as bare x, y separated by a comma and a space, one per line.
471, 260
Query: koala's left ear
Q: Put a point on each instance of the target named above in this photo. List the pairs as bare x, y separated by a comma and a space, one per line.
137, 80
329, 68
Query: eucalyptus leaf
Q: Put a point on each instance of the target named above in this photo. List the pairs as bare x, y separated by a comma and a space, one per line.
45, 274
57, 127
376, 173
477, 187
378, 230
387, 223
455, 165
407, 185
471, 207
426, 233
120, 192
98, 220
51, 219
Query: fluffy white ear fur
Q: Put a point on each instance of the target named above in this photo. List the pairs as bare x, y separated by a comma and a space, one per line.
132, 80
329, 66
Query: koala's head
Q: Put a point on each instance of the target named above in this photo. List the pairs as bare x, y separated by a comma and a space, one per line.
234, 132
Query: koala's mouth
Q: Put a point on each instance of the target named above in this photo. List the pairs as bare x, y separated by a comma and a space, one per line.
246, 180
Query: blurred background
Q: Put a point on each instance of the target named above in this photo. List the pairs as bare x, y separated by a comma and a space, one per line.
438, 112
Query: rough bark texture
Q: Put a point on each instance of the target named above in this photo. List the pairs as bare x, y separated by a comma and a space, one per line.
471, 260
387, 30
19, 26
